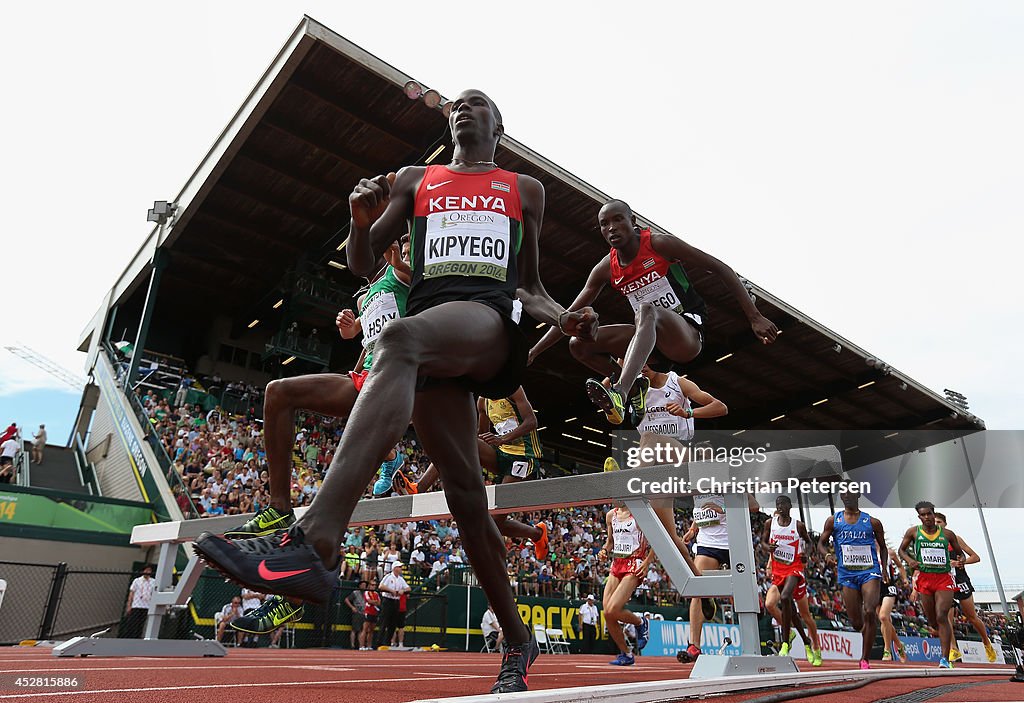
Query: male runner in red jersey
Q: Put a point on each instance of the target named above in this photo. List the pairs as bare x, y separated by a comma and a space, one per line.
474, 249
669, 319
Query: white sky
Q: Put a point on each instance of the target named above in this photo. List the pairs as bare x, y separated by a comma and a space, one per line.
861, 161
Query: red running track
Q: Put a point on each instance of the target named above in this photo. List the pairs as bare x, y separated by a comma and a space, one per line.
294, 676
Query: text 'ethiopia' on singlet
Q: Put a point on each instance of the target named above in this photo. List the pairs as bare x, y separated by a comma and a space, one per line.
932, 551
651, 278
466, 234
385, 301
627, 539
505, 417
855, 544
657, 418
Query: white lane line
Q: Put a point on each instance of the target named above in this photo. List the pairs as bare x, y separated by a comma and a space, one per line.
232, 685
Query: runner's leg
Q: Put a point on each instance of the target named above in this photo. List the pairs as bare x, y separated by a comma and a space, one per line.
616, 595
673, 336
971, 613
408, 347
704, 563
328, 394
445, 418
600, 354
870, 593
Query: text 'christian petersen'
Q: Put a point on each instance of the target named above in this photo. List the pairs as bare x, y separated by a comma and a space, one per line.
676, 485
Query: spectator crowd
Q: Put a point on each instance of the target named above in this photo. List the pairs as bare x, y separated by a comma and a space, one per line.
221, 461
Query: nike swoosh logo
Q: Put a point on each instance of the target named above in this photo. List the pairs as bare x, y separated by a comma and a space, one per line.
267, 573
618, 280
431, 186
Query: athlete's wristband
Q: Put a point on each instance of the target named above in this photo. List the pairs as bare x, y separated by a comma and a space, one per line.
560, 328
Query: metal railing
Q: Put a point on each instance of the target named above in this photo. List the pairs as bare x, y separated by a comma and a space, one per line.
22, 465
174, 480
86, 469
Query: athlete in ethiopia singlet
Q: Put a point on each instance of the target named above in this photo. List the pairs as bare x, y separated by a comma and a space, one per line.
931, 551
651, 278
465, 237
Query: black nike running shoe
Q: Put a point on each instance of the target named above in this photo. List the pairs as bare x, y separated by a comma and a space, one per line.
265, 522
609, 401
515, 667
638, 400
282, 563
274, 612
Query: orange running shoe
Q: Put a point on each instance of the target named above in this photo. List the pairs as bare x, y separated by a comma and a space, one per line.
540, 547
402, 484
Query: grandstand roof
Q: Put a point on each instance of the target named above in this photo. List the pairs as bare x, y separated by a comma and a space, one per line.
273, 191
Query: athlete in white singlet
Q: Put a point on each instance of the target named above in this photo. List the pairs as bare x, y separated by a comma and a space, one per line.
631, 556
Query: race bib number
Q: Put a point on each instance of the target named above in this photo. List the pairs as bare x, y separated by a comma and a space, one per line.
933, 556
467, 243
374, 316
625, 539
658, 292
857, 557
520, 469
964, 588
706, 517
505, 426
659, 425
784, 553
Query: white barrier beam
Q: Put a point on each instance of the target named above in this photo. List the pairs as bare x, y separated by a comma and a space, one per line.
549, 494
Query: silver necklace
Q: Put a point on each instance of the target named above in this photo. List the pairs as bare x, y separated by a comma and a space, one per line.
474, 163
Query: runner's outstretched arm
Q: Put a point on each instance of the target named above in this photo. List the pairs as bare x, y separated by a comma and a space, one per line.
710, 406
908, 537
676, 249
971, 555
596, 282
536, 301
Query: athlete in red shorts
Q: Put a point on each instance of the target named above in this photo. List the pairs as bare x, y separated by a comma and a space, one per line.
631, 552
785, 538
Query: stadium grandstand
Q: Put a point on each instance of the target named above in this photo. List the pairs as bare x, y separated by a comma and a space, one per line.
239, 283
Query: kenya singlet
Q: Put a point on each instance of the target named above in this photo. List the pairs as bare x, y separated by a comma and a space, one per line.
466, 233
657, 418
651, 278
505, 417
385, 301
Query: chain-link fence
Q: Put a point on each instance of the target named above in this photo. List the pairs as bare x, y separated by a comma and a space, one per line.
25, 600
55, 601
90, 601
